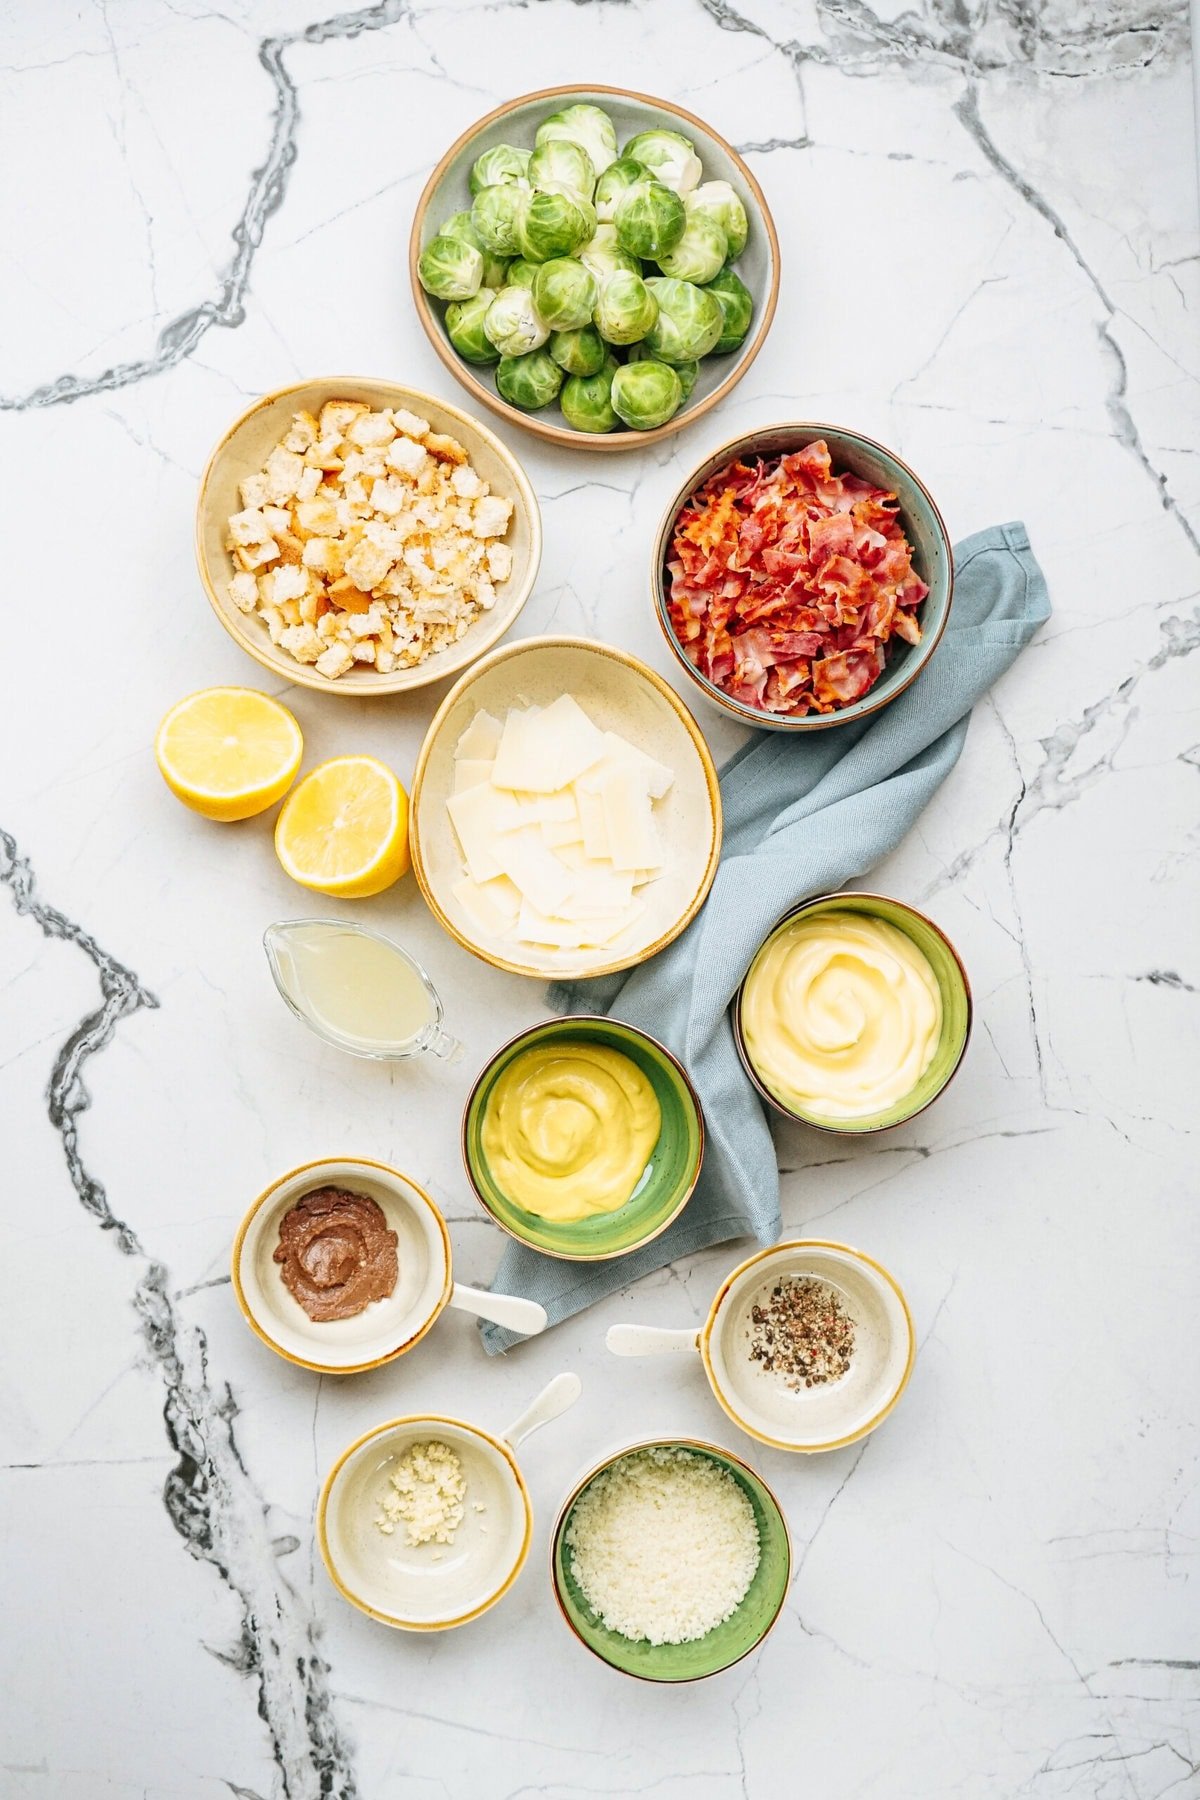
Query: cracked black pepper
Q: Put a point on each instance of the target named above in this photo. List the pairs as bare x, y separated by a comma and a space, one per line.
801, 1332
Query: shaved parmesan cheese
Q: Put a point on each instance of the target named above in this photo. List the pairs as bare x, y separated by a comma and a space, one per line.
555, 820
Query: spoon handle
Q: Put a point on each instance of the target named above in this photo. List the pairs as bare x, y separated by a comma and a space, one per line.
554, 1398
650, 1340
508, 1310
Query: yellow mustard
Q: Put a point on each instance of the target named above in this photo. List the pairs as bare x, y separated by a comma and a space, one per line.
568, 1130
841, 1015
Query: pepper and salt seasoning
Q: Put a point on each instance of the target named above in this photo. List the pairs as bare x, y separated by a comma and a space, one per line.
801, 1332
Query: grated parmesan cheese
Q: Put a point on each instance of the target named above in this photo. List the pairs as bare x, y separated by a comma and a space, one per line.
664, 1545
425, 1494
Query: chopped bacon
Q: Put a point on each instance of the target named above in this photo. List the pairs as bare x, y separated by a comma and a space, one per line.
788, 582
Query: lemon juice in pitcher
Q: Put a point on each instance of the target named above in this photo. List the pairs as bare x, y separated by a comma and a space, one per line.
357, 989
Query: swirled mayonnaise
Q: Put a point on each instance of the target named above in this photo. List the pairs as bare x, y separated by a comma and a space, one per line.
841, 1015
568, 1130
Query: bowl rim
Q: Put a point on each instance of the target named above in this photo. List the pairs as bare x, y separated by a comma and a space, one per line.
301, 674
831, 1128
705, 1332
566, 1020
557, 641
563, 434
705, 1446
323, 1499
806, 431
255, 1207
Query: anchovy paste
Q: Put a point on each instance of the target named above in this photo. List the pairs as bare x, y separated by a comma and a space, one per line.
336, 1254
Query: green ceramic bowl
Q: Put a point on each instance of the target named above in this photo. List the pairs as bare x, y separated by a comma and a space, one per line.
726, 1644
671, 1173
956, 1009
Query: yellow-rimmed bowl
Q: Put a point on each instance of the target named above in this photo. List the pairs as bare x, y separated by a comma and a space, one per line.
243, 449
727, 1643
825, 1417
620, 694
954, 989
923, 526
448, 191
669, 1177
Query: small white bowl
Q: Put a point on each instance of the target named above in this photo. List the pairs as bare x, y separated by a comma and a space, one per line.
619, 694
825, 1417
433, 1587
386, 1328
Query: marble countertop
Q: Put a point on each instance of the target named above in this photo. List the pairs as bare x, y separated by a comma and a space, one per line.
988, 222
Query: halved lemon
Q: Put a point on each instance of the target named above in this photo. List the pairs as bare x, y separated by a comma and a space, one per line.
229, 752
344, 831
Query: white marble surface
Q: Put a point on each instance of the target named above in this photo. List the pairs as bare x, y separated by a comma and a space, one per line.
988, 215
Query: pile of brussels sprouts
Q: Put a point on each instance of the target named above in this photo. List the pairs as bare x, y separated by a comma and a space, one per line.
595, 279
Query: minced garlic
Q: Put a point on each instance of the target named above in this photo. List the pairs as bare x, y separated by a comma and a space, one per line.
425, 1494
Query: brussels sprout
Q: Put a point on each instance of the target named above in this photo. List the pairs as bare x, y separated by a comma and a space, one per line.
689, 320
700, 252
529, 381
737, 305
459, 225
495, 215
602, 254
464, 327
669, 156
520, 273
618, 176
588, 126
581, 352
646, 394
625, 309
688, 372
562, 167
450, 268
502, 163
586, 400
564, 293
552, 224
512, 323
649, 219
720, 202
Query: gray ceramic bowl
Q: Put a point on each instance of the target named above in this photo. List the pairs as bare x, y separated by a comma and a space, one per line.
923, 526
448, 191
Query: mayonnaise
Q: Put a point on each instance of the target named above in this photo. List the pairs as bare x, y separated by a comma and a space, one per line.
841, 1015
568, 1130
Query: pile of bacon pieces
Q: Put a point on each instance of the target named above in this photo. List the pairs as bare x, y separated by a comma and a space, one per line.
788, 582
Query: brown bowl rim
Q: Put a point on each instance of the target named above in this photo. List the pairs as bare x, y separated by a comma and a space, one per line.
563, 434
806, 431
684, 1443
568, 1019
844, 1131
301, 674
684, 714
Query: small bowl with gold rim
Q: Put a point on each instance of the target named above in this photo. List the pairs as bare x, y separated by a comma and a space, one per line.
565, 1115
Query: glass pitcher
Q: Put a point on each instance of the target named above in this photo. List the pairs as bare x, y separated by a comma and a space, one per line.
357, 989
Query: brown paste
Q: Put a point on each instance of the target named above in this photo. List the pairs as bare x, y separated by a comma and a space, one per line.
336, 1254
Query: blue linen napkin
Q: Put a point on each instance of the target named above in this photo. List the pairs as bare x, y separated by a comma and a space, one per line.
804, 815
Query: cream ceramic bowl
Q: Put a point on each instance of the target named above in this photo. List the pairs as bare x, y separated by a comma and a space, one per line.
243, 450
433, 1587
448, 191
818, 1418
386, 1328
619, 694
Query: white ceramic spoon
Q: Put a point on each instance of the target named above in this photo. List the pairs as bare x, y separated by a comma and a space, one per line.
508, 1310
554, 1399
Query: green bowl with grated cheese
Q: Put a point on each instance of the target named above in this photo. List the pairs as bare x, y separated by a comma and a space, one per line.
728, 1642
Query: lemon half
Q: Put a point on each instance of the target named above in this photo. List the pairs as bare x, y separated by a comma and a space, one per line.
229, 752
344, 830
